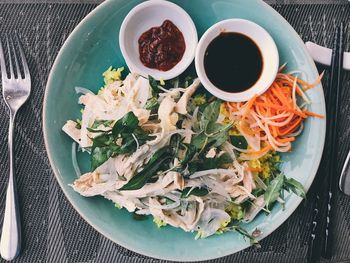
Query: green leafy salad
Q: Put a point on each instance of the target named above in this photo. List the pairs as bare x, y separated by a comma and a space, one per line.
171, 151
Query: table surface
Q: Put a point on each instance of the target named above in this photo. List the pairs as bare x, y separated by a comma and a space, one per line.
52, 229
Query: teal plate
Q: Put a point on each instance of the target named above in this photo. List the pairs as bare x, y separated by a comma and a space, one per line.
92, 48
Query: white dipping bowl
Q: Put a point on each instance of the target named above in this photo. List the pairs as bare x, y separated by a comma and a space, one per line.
264, 42
150, 14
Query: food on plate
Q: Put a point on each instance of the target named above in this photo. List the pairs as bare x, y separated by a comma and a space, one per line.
162, 47
233, 62
172, 151
272, 120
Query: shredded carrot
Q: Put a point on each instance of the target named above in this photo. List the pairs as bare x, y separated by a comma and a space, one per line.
265, 149
278, 100
292, 127
307, 85
313, 114
283, 140
278, 107
274, 131
279, 94
248, 105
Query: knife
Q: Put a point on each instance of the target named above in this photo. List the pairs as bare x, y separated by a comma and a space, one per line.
344, 182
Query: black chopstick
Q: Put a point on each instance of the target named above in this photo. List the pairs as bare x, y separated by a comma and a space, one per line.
332, 174
321, 239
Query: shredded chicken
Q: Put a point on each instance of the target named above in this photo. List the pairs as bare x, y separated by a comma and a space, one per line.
162, 196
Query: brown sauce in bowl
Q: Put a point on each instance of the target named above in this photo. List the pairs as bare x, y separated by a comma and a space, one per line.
162, 47
233, 62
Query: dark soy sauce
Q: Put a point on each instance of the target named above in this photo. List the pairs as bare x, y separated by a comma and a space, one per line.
233, 62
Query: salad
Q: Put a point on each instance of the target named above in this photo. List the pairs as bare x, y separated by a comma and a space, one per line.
172, 151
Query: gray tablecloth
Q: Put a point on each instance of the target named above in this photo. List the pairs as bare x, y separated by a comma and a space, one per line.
52, 230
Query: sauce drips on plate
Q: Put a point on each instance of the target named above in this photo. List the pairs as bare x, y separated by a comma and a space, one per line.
162, 47
233, 62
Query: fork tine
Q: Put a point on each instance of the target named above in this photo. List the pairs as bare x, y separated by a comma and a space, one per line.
23, 58
16, 60
2, 63
12, 76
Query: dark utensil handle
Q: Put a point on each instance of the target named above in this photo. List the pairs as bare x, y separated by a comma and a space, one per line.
336, 78
321, 239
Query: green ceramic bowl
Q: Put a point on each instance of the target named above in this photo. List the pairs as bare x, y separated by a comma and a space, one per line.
92, 48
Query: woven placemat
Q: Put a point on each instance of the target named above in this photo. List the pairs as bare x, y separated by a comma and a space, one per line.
52, 229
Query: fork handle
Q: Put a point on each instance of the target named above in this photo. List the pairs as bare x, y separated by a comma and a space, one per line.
10, 243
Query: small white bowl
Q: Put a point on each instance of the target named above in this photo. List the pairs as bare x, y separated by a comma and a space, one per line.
150, 14
264, 42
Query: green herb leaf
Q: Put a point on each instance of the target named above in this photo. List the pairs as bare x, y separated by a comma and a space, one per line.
257, 192
127, 124
127, 131
168, 201
180, 81
187, 81
213, 128
103, 140
215, 136
175, 142
196, 191
142, 135
97, 123
160, 158
199, 140
78, 124
99, 155
154, 86
196, 126
96, 131
217, 162
218, 137
239, 141
210, 114
296, 187
273, 190
130, 140
191, 150
128, 144
245, 233
209, 163
241, 231
224, 158
152, 104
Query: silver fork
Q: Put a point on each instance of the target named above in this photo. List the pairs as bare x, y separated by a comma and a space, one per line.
15, 90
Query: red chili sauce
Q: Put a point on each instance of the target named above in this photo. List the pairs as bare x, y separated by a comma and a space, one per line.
162, 47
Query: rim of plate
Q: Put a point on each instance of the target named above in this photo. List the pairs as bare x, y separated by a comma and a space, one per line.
282, 218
